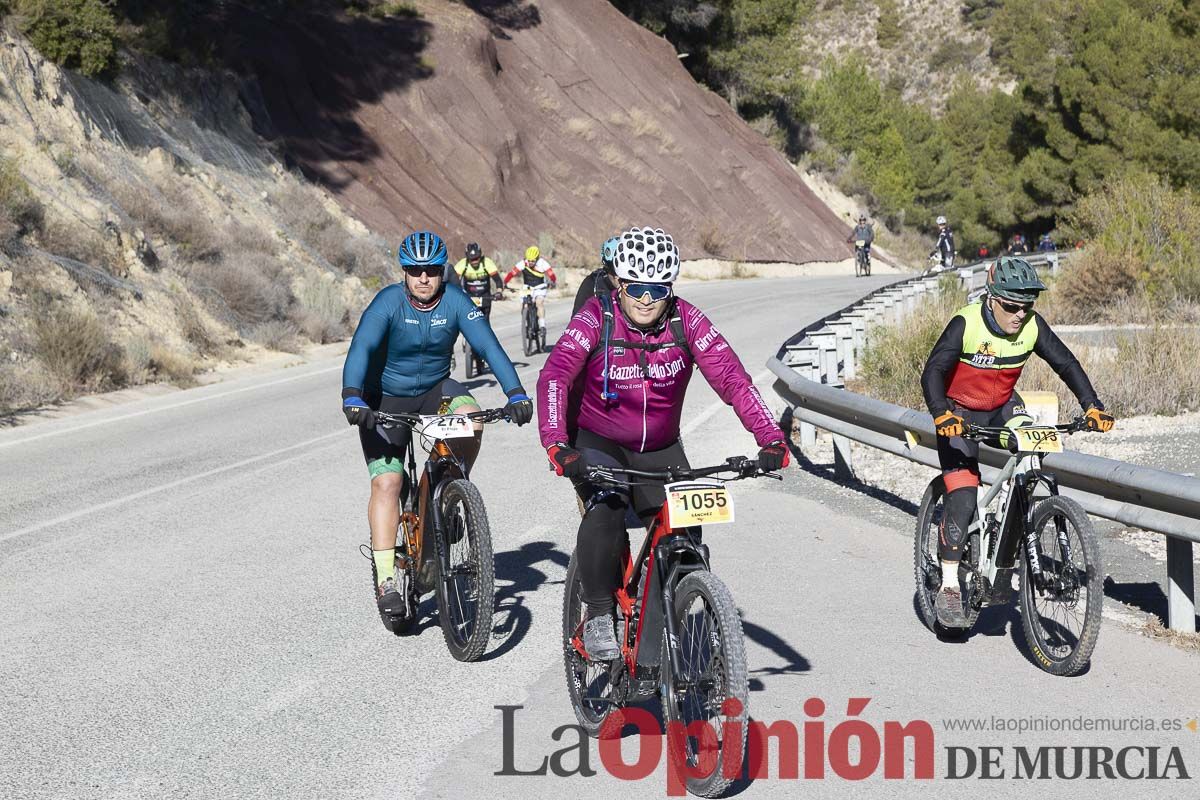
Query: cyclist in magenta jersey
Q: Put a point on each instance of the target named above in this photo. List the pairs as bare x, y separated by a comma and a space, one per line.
629, 355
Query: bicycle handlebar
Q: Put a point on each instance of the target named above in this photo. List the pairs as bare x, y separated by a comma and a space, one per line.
391, 419
983, 433
742, 466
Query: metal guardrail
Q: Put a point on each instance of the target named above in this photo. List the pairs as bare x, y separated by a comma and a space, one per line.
810, 368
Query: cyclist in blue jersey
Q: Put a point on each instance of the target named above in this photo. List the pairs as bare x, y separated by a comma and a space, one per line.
399, 361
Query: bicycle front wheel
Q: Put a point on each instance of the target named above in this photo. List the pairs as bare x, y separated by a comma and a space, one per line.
589, 683
712, 660
1060, 612
466, 590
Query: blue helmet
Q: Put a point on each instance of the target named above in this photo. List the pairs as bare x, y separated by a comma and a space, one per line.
422, 249
608, 251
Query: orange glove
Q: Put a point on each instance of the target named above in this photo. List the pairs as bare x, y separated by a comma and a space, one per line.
1099, 420
949, 424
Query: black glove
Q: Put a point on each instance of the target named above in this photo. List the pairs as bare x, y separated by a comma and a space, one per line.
773, 457
519, 408
358, 412
566, 460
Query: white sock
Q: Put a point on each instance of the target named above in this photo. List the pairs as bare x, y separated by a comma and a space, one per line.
542, 324
950, 574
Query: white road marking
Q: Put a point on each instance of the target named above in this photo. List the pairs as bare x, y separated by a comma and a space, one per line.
169, 407
165, 487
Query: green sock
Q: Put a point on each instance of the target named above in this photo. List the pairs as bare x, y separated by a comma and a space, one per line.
385, 564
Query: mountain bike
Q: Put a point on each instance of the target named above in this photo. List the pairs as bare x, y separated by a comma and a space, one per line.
680, 633
862, 259
448, 506
1048, 543
533, 336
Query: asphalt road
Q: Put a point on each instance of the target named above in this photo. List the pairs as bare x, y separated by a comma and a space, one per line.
185, 612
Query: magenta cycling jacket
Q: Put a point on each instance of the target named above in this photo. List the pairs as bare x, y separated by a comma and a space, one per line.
645, 415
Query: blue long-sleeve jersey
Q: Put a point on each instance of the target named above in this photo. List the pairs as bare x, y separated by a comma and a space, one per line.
403, 352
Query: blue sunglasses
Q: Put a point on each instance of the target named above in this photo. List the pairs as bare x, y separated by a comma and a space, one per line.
647, 292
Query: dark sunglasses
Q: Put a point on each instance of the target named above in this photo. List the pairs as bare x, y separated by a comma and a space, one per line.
1012, 308
432, 270
647, 292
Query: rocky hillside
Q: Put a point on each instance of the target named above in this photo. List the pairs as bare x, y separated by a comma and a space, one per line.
146, 231
503, 121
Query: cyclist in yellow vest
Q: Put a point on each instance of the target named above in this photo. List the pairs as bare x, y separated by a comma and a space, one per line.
971, 376
538, 275
476, 274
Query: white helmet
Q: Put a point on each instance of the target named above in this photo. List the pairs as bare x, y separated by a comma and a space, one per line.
941, 220
647, 255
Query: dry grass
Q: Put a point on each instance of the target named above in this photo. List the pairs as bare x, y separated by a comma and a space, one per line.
25, 386
1152, 371
611, 155
81, 243
194, 329
1155, 629
20, 212
254, 290
278, 335
895, 356
166, 210
174, 367
581, 127
77, 348
712, 238
321, 312
305, 218
546, 103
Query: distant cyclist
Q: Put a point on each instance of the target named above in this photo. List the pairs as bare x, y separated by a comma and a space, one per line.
970, 378
633, 351
600, 281
944, 249
1046, 244
477, 273
537, 274
399, 361
1016, 246
863, 232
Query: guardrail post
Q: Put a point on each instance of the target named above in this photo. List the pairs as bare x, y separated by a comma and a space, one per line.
1181, 585
843, 460
826, 341
845, 345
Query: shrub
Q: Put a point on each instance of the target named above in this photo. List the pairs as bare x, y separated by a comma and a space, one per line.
1093, 286
171, 214
321, 312
77, 348
712, 238
175, 367
1148, 230
1151, 371
22, 212
193, 328
895, 356
25, 386
77, 34
277, 335
254, 289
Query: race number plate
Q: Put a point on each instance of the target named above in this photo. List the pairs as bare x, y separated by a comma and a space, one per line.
449, 426
698, 503
861, 243
1038, 440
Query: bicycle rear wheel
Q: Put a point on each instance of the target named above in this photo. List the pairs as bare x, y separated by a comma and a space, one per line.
712, 656
466, 592
526, 331
1061, 618
589, 683
927, 567
469, 356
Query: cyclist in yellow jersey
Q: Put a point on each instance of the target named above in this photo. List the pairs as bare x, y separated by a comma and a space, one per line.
476, 273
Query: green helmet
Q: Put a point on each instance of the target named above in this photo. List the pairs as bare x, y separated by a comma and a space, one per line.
1013, 279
